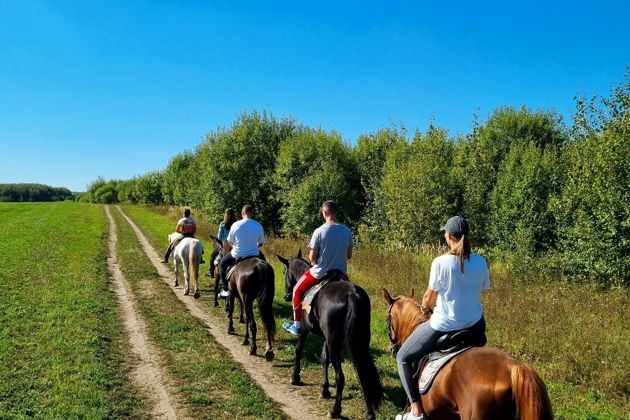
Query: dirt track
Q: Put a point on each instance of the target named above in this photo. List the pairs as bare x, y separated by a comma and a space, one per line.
291, 402
146, 375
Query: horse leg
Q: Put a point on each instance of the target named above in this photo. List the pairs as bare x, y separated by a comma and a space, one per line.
299, 347
241, 318
186, 274
335, 357
196, 280
247, 320
216, 289
252, 325
229, 305
176, 271
325, 361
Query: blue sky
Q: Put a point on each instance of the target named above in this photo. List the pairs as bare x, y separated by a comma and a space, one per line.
116, 88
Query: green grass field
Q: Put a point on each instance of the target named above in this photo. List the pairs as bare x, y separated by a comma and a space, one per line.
575, 336
62, 353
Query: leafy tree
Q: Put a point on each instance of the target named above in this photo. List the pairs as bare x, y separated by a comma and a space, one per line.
418, 188
315, 166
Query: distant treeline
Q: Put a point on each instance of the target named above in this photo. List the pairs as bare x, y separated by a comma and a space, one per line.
532, 187
33, 192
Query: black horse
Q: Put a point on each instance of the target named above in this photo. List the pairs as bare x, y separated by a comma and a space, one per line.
340, 312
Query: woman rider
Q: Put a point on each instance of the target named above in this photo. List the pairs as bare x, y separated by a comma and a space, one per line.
222, 234
455, 285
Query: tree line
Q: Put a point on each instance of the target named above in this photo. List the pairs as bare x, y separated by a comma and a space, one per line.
33, 192
531, 186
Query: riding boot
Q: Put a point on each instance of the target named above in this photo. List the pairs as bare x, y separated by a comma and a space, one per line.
167, 254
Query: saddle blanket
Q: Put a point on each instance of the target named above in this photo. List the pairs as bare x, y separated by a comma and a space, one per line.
433, 366
310, 294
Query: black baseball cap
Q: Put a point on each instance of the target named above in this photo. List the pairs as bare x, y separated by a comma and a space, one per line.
456, 226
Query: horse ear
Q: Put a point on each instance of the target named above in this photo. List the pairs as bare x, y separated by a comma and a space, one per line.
283, 260
299, 255
388, 297
411, 293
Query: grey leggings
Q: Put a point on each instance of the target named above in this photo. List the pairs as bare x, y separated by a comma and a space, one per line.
421, 342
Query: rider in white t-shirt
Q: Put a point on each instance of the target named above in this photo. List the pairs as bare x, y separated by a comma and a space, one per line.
246, 237
455, 285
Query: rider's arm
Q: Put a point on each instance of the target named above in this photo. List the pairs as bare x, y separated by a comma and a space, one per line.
312, 255
349, 253
260, 244
429, 298
179, 228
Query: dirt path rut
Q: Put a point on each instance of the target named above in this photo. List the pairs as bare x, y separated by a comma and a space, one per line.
146, 375
291, 402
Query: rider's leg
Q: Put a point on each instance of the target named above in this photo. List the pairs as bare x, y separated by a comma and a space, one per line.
304, 283
419, 343
168, 253
213, 257
227, 261
261, 255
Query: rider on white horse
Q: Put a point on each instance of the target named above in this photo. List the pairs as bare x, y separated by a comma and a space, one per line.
186, 227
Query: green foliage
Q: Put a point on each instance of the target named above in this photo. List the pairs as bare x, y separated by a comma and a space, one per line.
481, 157
371, 154
521, 219
593, 210
33, 192
418, 193
237, 166
315, 166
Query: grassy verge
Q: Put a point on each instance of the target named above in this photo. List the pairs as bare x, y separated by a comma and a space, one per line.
210, 384
575, 336
62, 353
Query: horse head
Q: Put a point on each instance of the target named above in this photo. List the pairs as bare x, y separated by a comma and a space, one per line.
403, 316
294, 268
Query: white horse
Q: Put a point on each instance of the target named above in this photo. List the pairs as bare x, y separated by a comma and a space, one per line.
188, 255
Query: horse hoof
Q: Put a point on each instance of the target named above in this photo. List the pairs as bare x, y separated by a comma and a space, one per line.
197, 294
269, 355
241, 321
370, 416
186, 293
325, 394
334, 414
296, 381
252, 352
176, 284
245, 342
230, 330
216, 304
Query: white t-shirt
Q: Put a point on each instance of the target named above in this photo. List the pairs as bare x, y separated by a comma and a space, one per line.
331, 241
246, 234
459, 298
186, 220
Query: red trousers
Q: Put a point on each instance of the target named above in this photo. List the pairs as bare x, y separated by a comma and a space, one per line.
303, 284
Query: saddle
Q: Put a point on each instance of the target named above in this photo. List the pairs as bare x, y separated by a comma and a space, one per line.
231, 268
447, 347
309, 296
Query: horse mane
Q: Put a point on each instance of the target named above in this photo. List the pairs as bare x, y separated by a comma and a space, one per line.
410, 316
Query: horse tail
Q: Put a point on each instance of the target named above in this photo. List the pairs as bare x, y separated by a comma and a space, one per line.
358, 342
530, 394
265, 296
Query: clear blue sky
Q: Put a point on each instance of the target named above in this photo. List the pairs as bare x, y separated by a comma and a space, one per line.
116, 88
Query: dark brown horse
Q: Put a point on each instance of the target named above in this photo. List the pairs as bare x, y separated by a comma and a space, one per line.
223, 249
340, 313
480, 383
253, 279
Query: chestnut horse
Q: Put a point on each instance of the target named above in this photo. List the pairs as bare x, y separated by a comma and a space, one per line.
480, 383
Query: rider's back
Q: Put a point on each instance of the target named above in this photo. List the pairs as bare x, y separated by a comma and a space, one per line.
332, 242
246, 234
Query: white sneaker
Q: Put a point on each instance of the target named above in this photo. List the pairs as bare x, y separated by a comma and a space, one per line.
224, 294
410, 416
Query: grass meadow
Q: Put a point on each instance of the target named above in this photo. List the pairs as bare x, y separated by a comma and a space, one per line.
576, 336
62, 352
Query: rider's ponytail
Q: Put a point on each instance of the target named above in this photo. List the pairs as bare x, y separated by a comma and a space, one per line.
462, 250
